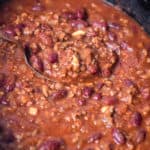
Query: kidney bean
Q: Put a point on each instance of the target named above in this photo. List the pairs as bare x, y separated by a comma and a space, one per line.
45, 27
3, 100
9, 31
37, 63
53, 57
114, 25
94, 137
91, 34
81, 102
113, 46
81, 14
125, 46
38, 7
97, 96
136, 119
93, 69
102, 25
112, 36
111, 146
109, 100
145, 92
52, 144
106, 72
59, 94
69, 15
10, 83
100, 85
87, 92
79, 24
141, 135
128, 82
20, 27
119, 137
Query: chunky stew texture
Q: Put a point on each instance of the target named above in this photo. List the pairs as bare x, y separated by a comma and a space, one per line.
96, 94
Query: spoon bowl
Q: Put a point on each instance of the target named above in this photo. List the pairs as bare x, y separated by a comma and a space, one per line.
27, 55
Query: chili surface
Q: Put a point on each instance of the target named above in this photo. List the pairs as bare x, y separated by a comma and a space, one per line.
100, 60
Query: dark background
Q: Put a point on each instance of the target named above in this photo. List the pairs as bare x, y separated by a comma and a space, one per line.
138, 9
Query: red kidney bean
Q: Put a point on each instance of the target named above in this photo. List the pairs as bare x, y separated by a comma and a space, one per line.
20, 27
93, 69
52, 144
102, 25
114, 25
45, 27
109, 100
136, 119
128, 82
125, 46
118, 137
113, 46
69, 15
81, 14
59, 94
87, 92
92, 34
3, 100
141, 135
94, 137
53, 57
106, 72
37, 63
96, 96
81, 102
79, 24
38, 7
10, 83
100, 85
111, 147
112, 36
145, 92
9, 31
